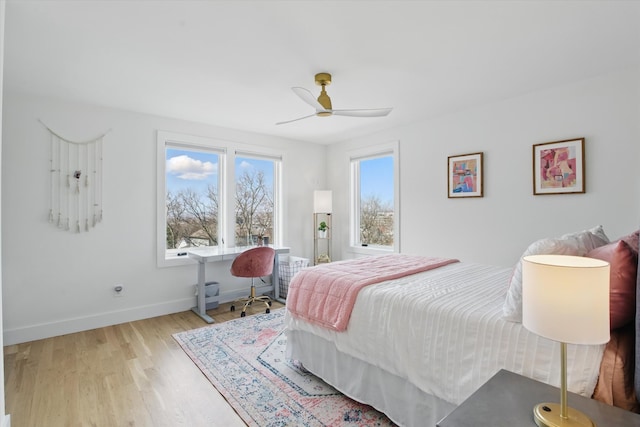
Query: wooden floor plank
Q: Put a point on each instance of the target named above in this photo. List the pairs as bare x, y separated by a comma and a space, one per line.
132, 374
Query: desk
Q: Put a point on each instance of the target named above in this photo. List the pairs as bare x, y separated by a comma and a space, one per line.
507, 400
206, 254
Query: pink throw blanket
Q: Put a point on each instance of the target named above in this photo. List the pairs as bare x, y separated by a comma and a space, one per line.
325, 294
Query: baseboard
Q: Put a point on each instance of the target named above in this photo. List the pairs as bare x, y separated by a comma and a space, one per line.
69, 326
100, 320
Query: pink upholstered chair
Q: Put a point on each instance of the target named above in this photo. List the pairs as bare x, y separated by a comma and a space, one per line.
254, 263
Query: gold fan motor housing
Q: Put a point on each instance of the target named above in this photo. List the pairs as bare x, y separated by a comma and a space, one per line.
323, 79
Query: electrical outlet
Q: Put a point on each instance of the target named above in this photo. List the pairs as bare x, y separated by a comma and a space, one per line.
118, 290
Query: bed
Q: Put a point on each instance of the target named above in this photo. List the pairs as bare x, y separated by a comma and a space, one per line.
416, 345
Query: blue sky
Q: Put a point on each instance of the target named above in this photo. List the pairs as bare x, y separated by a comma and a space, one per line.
196, 169
248, 164
376, 178
190, 169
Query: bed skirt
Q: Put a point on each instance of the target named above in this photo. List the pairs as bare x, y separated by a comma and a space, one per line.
404, 403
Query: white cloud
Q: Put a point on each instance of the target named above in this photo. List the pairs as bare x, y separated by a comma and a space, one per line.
184, 167
245, 165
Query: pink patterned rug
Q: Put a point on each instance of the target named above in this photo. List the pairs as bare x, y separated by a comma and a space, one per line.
244, 360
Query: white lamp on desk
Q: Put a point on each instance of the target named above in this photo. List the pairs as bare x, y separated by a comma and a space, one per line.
566, 299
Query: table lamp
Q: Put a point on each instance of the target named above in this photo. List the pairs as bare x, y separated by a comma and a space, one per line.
566, 299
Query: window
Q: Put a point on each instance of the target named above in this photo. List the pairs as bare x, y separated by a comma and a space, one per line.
255, 198
374, 198
211, 195
192, 197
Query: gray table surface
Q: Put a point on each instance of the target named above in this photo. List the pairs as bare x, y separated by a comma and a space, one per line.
507, 399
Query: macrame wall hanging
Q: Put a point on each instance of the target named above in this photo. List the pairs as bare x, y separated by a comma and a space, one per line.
75, 203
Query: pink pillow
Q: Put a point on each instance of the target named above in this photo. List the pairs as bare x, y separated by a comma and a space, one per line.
624, 268
632, 240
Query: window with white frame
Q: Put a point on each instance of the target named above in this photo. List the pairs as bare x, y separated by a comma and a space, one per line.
201, 183
192, 197
374, 198
190, 193
256, 196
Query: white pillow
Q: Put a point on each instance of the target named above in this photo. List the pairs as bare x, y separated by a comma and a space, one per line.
577, 244
589, 239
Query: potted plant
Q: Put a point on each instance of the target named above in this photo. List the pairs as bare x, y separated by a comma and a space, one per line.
322, 230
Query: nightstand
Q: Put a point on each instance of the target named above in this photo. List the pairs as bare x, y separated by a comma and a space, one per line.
507, 400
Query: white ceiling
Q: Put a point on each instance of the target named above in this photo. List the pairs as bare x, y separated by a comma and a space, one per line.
233, 63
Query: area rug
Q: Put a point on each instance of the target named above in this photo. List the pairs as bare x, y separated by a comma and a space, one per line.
244, 360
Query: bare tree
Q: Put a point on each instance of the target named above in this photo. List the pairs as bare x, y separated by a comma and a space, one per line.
254, 206
193, 218
264, 216
203, 212
376, 221
175, 220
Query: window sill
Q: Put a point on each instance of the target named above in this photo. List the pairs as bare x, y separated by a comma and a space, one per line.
174, 261
370, 250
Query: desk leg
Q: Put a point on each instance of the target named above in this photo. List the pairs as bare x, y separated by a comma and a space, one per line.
201, 308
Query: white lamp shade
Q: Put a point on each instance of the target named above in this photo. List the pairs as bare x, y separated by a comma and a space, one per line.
566, 298
322, 201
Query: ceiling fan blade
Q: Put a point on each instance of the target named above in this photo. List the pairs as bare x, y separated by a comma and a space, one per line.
373, 112
308, 97
295, 120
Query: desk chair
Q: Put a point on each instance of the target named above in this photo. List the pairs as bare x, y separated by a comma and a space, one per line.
254, 263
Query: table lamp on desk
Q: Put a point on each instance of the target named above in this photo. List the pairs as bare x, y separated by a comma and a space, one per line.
566, 299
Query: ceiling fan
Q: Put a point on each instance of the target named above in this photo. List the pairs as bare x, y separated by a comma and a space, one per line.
323, 104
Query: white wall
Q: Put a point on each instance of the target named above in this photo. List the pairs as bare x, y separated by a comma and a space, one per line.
57, 281
6, 421
497, 228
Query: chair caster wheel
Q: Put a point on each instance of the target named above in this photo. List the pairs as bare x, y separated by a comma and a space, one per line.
269, 303
268, 311
243, 314
233, 308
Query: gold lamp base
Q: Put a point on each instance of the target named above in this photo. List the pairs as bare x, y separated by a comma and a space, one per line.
548, 415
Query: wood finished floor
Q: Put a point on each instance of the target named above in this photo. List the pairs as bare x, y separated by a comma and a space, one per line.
132, 374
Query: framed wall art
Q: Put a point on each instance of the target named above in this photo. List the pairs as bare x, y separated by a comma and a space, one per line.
558, 167
465, 176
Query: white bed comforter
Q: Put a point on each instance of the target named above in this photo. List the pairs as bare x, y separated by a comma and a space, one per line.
443, 331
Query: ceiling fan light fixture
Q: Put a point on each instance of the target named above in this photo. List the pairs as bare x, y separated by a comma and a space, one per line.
323, 106
323, 79
325, 101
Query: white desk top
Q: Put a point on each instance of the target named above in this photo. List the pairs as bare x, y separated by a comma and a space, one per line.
217, 253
